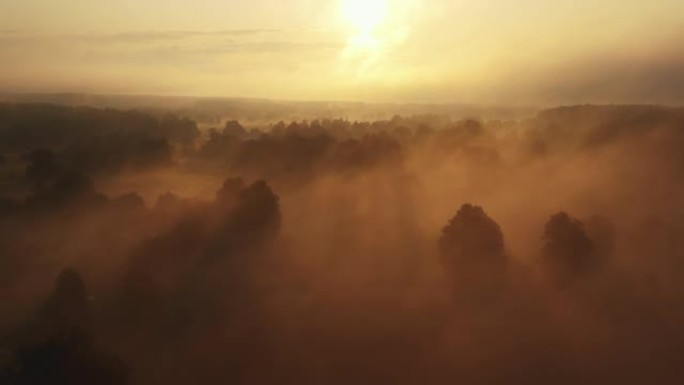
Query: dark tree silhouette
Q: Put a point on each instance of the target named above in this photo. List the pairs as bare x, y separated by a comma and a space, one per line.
224, 236
234, 129
71, 360
472, 237
182, 129
473, 255
568, 252
67, 308
58, 348
254, 220
229, 192
43, 165
71, 188
258, 208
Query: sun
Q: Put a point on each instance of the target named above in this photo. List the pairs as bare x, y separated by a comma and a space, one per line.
365, 16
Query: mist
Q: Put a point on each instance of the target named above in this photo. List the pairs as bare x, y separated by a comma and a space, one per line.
185, 243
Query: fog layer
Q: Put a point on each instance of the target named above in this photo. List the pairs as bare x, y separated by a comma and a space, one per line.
145, 248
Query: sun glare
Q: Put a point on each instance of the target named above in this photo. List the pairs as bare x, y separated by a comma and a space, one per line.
364, 15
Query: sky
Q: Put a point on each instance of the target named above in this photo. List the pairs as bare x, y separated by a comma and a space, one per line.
493, 52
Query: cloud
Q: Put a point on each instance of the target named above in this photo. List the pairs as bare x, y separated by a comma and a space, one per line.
152, 36
621, 78
617, 75
192, 42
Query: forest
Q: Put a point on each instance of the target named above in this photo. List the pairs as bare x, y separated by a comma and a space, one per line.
176, 246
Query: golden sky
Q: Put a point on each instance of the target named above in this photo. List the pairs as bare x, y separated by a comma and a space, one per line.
497, 51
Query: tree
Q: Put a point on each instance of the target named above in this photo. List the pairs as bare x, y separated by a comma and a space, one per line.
234, 129
473, 255
230, 191
67, 307
58, 348
43, 165
70, 188
472, 237
567, 253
